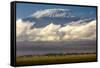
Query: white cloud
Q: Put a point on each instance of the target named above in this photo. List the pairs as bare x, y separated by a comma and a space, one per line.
56, 32
56, 12
22, 28
82, 31
50, 29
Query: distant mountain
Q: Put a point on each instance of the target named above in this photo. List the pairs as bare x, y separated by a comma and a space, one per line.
44, 21
44, 17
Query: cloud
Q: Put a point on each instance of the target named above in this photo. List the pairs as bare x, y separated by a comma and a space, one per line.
56, 32
80, 31
22, 28
56, 12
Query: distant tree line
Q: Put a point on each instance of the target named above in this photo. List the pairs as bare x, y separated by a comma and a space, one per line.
58, 54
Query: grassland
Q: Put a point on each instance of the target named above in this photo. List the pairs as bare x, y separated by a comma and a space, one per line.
45, 59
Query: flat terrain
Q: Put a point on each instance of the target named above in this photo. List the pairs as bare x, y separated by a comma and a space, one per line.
41, 48
35, 60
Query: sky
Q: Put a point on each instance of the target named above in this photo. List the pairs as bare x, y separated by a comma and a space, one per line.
39, 27
38, 22
26, 9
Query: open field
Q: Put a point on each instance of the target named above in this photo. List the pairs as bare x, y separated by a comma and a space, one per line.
35, 60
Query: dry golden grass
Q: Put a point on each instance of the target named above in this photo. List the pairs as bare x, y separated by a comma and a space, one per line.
38, 60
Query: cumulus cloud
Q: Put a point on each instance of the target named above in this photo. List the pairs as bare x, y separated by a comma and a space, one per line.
80, 31
56, 32
22, 27
56, 12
